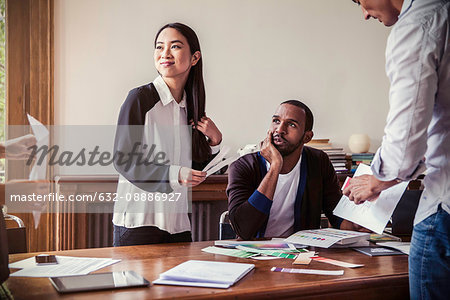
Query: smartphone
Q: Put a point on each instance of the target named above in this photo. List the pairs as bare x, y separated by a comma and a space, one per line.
46, 259
98, 281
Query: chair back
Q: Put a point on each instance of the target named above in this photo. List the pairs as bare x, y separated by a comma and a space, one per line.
17, 237
17, 240
226, 231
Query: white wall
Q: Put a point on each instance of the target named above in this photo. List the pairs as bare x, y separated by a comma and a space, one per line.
256, 53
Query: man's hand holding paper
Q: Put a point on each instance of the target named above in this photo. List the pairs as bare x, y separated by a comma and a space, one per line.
366, 188
373, 214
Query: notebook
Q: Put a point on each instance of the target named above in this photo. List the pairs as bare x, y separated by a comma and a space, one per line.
213, 274
378, 251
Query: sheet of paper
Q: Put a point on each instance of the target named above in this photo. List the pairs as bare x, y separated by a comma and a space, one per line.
401, 246
295, 245
362, 243
324, 238
228, 252
38, 172
308, 271
266, 244
220, 165
67, 266
336, 262
373, 215
219, 157
265, 257
267, 252
192, 283
42, 138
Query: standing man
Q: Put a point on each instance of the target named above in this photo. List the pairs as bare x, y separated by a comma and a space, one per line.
418, 125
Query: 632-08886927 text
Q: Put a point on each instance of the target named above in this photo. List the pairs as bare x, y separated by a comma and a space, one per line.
102, 197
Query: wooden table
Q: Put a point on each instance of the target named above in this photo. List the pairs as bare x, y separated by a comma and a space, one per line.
382, 277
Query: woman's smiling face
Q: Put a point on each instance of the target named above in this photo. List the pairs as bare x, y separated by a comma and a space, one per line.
172, 54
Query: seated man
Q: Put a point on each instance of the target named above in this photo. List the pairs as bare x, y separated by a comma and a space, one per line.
285, 187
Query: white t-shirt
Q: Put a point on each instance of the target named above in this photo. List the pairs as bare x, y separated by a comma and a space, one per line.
281, 218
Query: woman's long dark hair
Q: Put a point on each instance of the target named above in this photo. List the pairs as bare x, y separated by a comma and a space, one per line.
195, 93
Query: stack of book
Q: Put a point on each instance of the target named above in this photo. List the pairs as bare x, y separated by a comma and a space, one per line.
336, 155
357, 158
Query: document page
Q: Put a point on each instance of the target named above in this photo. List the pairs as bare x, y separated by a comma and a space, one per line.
219, 161
372, 215
38, 172
66, 266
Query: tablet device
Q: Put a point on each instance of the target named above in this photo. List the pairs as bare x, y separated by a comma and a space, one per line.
99, 281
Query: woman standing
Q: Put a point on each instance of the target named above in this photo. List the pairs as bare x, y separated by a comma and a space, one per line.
155, 122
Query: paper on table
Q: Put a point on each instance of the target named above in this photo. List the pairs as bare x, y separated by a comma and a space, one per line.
265, 257
228, 252
205, 273
274, 244
67, 266
192, 283
372, 215
362, 243
400, 246
267, 252
304, 258
38, 172
336, 262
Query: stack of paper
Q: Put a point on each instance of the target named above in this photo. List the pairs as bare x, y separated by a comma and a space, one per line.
66, 266
200, 273
326, 237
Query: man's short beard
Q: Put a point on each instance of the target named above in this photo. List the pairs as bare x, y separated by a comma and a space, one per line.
290, 148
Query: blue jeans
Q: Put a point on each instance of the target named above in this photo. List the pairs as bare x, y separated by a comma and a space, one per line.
429, 258
146, 235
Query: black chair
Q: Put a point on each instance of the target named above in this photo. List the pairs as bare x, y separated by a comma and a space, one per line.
403, 215
226, 231
17, 237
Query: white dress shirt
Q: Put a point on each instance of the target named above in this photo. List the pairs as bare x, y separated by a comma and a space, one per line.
166, 128
418, 123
